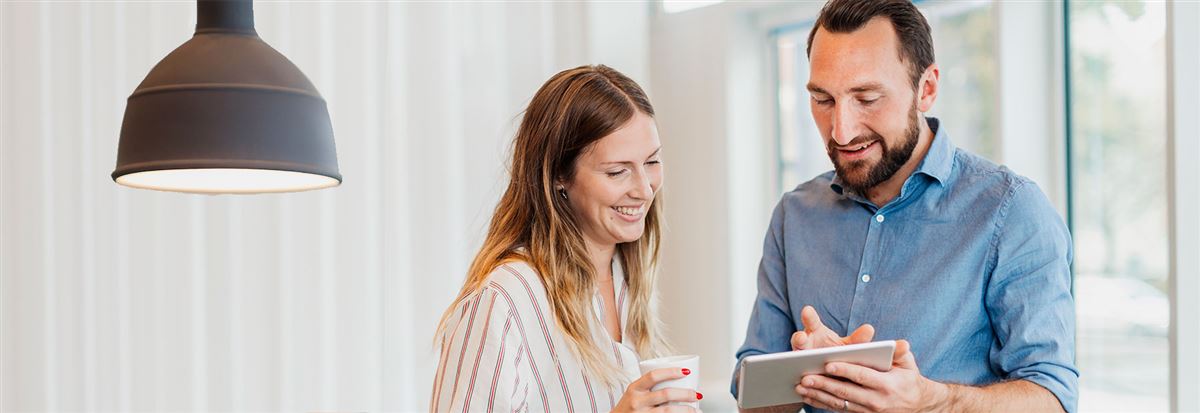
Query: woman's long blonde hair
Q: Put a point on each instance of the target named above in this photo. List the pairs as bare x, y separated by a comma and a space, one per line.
570, 112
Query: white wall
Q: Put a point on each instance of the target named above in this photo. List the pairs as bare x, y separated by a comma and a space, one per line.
120, 299
710, 90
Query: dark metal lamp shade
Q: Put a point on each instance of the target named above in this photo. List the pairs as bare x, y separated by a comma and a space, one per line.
226, 113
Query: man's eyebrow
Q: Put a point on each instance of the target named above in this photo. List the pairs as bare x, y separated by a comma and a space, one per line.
869, 87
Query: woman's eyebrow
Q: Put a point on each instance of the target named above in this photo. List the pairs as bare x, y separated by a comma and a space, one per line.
656, 151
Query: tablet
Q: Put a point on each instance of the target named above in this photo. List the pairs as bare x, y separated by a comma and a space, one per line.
771, 379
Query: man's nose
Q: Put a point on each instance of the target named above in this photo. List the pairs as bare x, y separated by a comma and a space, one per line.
845, 124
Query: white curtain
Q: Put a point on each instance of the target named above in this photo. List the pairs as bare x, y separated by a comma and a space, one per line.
114, 299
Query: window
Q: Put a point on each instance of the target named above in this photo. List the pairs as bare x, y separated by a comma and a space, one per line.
1118, 192
801, 148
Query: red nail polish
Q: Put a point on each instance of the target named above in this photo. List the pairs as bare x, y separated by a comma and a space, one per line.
687, 372
699, 396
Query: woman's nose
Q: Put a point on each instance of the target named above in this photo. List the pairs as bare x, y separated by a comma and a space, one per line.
643, 189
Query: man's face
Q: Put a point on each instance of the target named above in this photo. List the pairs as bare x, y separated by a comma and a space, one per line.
863, 102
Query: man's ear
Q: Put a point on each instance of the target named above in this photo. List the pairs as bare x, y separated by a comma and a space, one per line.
927, 88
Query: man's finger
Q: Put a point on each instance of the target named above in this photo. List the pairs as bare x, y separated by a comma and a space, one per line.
818, 399
823, 400
864, 376
851, 392
800, 341
903, 357
812, 321
902, 348
863, 334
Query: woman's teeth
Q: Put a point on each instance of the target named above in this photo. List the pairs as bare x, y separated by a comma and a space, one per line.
628, 211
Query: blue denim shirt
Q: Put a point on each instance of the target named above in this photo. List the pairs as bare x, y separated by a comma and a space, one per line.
970, 264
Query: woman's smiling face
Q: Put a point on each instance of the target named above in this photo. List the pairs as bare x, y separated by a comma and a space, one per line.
615, 182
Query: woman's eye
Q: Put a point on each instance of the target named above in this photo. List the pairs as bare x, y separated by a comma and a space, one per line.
615, 174
654, 162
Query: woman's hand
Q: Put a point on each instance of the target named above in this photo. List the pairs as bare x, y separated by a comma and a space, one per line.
639, 398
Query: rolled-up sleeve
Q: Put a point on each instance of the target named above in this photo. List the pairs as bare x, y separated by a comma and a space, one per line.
1029, 296
771, 327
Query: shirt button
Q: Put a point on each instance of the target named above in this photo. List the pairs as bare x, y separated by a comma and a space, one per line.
879, 218
866, 278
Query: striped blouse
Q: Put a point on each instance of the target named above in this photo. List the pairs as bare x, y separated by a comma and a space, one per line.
504, 352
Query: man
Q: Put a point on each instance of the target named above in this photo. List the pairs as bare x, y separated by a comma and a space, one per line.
963, 261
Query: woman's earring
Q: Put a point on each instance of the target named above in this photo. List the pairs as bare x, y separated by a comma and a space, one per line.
562, 192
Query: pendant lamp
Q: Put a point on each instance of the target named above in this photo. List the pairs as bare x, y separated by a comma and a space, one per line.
226, 113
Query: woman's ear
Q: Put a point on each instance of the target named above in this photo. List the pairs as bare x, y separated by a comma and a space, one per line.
560, 187
562, 192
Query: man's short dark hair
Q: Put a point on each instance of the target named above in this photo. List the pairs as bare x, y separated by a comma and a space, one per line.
912, 31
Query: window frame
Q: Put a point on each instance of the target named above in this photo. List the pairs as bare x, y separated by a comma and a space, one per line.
1183, 201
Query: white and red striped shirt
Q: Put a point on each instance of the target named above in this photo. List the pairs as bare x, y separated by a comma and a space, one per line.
503, 351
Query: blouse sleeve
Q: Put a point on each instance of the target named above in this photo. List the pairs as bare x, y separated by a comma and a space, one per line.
477, 369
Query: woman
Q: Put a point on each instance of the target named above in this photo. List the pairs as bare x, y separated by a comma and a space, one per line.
557, 305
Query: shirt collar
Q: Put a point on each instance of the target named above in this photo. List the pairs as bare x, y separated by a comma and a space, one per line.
938, 162
940, 159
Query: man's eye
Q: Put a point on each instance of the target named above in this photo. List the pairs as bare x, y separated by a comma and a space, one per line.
867, 102
823, 101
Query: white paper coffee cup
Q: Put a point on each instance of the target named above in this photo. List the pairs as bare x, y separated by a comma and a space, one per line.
690, 381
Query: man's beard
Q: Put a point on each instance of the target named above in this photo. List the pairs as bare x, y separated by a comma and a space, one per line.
891, 161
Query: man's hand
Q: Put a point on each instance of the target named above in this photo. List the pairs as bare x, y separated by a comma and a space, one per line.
902, 389
816, 335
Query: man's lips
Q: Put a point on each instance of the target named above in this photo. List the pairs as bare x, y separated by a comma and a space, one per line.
856, 152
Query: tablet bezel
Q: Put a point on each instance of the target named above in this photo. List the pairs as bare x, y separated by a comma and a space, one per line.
772, 378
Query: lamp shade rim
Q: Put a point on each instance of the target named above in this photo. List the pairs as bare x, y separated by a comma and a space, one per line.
233, 181
224, 164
